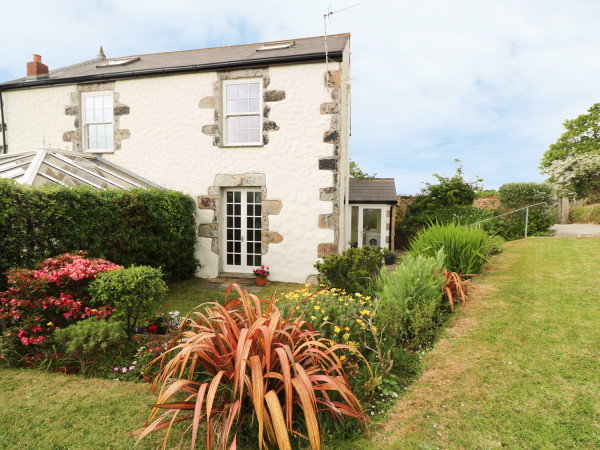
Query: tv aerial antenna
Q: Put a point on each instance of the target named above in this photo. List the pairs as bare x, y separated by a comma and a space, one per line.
327, 17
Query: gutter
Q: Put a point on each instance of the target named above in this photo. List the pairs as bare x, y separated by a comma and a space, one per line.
312, 57
4, 146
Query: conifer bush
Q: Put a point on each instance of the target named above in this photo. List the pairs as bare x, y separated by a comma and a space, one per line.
87, 339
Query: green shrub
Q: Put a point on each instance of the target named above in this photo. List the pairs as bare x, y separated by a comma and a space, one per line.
88, 339
353, 270
513, 196
10, 350
411, 297
130, 291
153, 227
467, 249
447, 193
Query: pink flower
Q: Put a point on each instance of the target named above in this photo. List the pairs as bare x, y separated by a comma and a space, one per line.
25, 341
124, 369
116, 369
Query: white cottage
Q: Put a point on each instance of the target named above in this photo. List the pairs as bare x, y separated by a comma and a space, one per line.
257, 133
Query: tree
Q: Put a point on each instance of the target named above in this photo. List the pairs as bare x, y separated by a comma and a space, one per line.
356, 172
581, 136
577, 174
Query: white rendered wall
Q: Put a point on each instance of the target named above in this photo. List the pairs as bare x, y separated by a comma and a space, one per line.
35, 117
167, 146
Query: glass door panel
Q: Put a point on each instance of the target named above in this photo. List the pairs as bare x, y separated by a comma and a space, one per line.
371, 227
243, 230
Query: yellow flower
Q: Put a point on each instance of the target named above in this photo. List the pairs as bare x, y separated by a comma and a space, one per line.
306, 285
316, 307
313, 317
375, 329
346, 336
358, 321
346, 304
347, 329
326, 317
358, 294
336, 329
342, 358
49, 324
367, 298
322, 311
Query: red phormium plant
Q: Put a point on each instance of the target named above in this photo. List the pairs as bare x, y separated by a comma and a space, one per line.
456, 287
258, 367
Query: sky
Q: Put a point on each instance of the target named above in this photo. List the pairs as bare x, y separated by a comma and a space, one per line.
488, 82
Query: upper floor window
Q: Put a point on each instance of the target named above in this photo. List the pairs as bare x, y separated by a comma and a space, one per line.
242, 112
97, 118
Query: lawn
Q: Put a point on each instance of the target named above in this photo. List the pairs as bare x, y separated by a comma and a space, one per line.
519, 366
186, 295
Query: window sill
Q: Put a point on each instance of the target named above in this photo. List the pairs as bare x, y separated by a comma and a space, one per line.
103, 151
242, 145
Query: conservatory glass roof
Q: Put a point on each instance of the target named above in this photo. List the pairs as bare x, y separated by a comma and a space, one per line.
45, 166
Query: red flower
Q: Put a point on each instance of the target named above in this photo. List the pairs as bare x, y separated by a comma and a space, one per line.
152, 329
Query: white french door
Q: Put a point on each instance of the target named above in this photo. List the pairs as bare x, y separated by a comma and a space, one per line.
242, 230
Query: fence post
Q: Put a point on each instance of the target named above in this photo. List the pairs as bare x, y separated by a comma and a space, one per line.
526, 219
565, 210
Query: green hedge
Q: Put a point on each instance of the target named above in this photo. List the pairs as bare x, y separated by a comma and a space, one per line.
153, 227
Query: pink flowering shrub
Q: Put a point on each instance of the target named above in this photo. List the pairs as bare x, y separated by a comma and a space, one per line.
51, 297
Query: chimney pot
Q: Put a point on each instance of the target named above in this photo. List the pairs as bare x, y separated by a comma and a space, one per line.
36, 69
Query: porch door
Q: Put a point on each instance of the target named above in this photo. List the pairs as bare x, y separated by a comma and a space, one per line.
367, 226
243, 230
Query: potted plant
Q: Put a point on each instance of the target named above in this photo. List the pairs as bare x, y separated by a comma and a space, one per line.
389, 257
261, 275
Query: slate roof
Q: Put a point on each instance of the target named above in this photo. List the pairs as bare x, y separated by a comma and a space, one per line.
219, 58
373, 190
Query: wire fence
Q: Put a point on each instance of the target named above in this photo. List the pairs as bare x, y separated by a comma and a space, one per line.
526, 208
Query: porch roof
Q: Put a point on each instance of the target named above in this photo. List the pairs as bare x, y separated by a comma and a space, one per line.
373, 190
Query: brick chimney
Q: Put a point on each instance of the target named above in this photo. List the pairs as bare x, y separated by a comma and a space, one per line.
36, 69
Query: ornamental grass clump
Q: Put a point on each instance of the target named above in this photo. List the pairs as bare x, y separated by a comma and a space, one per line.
243, 365
467, 249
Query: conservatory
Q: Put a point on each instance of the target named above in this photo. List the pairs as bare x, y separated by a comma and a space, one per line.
44, 166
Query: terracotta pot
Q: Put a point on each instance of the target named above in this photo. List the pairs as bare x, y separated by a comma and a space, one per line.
261, 281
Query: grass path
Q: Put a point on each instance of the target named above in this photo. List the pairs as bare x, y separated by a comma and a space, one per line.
520, 365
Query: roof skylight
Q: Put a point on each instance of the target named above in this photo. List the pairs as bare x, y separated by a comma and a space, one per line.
118, 62
276, 46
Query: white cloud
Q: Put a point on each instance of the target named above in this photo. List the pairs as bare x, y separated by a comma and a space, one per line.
489, 82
